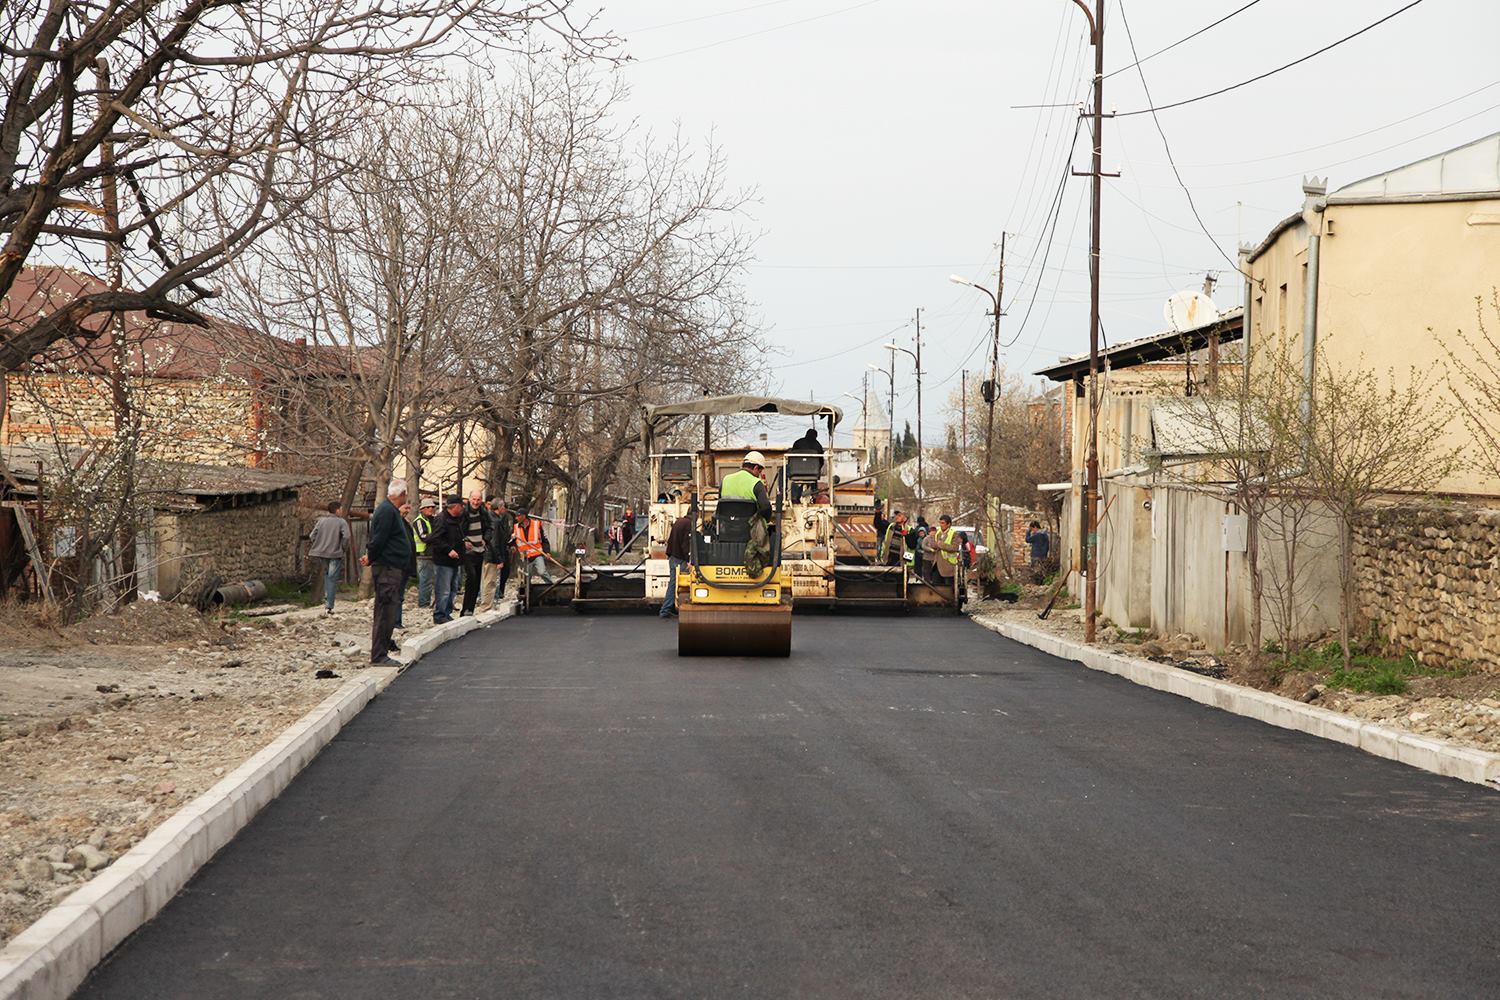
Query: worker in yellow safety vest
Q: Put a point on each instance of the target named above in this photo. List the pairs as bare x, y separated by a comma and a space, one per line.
944, 544
528, 542
745, 483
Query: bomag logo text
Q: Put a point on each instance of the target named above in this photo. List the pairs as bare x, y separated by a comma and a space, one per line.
730, 573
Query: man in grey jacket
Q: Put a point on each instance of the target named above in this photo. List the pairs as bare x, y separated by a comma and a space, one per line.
326, 543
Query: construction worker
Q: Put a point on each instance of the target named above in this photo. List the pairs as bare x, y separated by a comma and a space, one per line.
422, 529
745, 483
895, 536
944, 549
528, 535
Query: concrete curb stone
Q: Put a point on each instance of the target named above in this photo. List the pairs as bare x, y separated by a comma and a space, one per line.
1466, 763
49, 959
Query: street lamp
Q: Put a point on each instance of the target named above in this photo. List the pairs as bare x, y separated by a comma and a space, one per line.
916, 357
992, 390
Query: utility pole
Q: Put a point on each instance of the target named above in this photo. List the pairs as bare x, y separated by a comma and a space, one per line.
994, 391
1096, 173
921, 491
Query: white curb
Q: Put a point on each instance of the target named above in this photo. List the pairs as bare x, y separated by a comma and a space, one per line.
49, 959
1437, 756
415, 648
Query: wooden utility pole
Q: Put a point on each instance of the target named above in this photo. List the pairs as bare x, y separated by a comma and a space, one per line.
989, 401
921, 490
1090, 512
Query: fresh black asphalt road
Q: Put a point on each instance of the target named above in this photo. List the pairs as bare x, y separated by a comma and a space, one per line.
560, 807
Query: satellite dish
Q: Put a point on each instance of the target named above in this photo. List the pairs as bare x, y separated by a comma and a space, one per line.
1189, 310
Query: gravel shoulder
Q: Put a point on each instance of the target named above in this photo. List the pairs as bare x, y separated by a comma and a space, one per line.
1462, 710
108, 726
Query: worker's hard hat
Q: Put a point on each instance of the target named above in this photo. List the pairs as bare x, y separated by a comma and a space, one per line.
755, 458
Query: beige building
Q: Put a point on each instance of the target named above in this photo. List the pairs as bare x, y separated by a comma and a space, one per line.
1392, 265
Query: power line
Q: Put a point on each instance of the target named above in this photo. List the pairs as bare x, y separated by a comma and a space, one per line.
1268, 73
1179, 41
705, 17
1120, 5
753, 34
841, 353
1350, 138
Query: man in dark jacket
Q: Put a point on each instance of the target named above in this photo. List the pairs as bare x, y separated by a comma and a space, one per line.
446, 543
411, 564
388, 553
497, 551
679, 553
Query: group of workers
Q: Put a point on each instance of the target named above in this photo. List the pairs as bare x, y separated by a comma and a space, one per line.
936, 554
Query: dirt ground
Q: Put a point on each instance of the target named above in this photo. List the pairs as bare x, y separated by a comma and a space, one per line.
108, 726
1463, 710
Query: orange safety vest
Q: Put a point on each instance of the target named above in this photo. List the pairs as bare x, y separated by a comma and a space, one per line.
531, 547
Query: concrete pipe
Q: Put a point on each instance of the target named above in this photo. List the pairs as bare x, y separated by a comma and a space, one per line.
239, 593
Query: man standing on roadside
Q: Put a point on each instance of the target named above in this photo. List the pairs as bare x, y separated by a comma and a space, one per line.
388, 554
497, 544
326, 543
476, 527
422, 531
411, 563
679, 553
446, 545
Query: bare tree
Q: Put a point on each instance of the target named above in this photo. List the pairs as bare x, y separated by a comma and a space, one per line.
369, 289
1474, 378
1372, 434
610, 264
202, 109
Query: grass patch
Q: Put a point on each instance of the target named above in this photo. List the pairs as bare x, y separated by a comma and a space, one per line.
1370, 670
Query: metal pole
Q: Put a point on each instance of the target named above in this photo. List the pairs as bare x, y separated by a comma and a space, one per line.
989, 423
963, 409
921, 490
1091, 538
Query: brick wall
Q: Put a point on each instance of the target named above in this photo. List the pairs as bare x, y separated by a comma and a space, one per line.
1428, 580
210, 422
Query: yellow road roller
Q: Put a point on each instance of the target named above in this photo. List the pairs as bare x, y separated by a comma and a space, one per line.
723, 608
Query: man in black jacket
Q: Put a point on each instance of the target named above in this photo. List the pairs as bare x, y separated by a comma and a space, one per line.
446, 543
387, 553
476, 533
497, 545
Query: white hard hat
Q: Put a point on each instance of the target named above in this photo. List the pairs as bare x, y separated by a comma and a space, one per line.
755, 458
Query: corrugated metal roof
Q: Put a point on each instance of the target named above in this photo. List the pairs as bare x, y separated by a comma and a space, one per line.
1470, 169
1229, 326
185, 478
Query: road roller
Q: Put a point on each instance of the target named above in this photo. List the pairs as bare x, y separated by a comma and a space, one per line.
723, 609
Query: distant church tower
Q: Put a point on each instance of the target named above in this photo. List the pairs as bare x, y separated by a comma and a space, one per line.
873, 434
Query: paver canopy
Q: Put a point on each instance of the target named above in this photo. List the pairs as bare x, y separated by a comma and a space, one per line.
720, 406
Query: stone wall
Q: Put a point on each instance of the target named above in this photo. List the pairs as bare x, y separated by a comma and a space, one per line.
208, 422
256, 542
1428, 580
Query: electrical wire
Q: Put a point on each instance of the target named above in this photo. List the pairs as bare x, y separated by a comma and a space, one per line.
1165, 145
753, 34
1272, 72
840, 353
1336, 142
705, 17
1186, 38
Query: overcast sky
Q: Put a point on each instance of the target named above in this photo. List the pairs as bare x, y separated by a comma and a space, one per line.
882, 141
